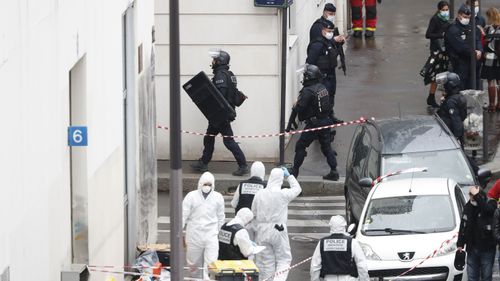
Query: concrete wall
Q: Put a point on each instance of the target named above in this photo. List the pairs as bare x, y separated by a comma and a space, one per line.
40, 43
252, 37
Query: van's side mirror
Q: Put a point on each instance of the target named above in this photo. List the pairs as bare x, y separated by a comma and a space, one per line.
351, 229
366, 182
483, 176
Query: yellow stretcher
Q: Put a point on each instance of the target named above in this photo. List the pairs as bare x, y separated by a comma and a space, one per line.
234, 270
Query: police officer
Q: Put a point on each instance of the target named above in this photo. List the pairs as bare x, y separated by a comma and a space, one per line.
338, 257
225, 81
323, 52
234, 242
246, 190
453, 109
457, 39
328, 15
313, 107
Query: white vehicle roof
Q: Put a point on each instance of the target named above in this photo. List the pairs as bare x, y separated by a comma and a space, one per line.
416, 186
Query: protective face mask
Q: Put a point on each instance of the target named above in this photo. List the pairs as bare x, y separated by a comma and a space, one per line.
476, 10
445, 14
464, 21
206, 189
329, 35
331, 18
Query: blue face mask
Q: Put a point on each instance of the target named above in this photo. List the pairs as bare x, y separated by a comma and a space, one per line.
445, 14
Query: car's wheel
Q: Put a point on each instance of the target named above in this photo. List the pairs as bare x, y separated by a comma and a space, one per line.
348, 212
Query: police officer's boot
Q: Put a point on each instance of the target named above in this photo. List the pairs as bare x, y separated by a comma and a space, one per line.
431, 101
242, 170
199, 166
332, 176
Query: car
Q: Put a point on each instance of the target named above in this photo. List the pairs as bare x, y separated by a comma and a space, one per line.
404, 221
384, 146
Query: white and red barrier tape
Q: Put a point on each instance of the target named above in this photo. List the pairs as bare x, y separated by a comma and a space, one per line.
278, 273
358, 121
407, 171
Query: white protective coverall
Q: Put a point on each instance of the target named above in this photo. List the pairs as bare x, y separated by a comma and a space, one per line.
338, 225
241, 238
270, 207
257, 170
202, 217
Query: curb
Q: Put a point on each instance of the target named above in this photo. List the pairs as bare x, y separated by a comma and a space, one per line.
226, 184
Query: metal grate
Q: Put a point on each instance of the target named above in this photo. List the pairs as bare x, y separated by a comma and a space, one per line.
416, 271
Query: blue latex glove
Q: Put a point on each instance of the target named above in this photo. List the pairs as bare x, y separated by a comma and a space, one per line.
285, 172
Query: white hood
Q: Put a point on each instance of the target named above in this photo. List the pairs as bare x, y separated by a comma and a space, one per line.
337, 224
275, 180
245, 215
258, 170
207, 177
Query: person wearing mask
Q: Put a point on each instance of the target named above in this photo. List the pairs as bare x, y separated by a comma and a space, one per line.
202, 217
225, 81
357, 17
270, 207
438, 60
328, 15
475, 235
313, 107
234, 241
457, 42
453, 109
481, 24
338, 256
246, 190
491, 66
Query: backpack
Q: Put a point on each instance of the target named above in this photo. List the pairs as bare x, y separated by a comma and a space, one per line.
235, 96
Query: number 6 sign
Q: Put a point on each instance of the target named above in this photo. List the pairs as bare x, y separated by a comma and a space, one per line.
77, 136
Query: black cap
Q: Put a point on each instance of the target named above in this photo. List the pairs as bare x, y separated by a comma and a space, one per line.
464, 9
330, 7
327, 24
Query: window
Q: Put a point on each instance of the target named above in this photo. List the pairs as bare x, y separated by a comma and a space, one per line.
372, 168
361, 151
459, 197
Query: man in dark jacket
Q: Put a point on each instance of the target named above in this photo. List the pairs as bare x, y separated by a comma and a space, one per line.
453, 109
317, 27
457, 44
476, 235
481, 24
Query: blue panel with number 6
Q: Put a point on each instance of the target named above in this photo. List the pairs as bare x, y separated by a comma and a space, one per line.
77, 136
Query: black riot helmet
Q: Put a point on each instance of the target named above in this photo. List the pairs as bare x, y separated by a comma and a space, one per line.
452, 84
311, 73
220, 58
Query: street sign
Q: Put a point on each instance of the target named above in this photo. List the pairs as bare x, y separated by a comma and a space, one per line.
273, 3
77, 136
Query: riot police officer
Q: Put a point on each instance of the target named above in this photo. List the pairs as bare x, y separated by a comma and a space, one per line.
457, 39
453, 109
313, 107
328, 15
323, 52
225, 81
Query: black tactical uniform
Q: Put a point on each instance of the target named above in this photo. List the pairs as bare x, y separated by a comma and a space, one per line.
453, 109
247, 190
225, 81
317, 26
313, 107
227, 249
457, 39
336, 256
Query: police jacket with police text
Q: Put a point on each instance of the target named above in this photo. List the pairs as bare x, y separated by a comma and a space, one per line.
227, 249
313, 101
457, 41
323, 53
476, 226
247, 190
453, 111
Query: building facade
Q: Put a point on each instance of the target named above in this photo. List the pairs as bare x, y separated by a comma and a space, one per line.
75, 63
252, 36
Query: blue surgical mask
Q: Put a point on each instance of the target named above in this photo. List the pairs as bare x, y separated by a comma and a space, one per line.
445, 14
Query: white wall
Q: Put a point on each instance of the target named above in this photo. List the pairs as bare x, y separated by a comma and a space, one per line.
252, 37
40, 42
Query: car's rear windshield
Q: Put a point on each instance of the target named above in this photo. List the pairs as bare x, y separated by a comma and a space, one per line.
409, 215
440, 164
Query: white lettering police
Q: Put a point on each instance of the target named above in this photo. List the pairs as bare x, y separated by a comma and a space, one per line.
335, 245
225, 236
250, 188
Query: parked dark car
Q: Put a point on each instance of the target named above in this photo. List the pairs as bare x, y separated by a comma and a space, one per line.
384, 146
